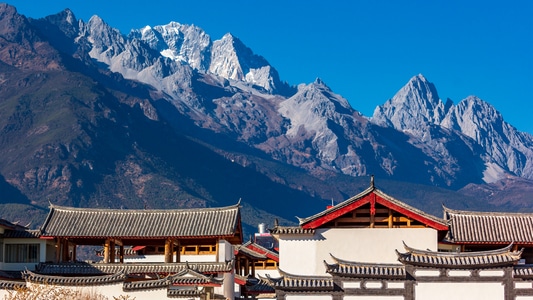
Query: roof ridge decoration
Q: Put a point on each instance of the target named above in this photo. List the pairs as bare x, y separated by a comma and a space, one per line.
85, 209
365, 197
479, 259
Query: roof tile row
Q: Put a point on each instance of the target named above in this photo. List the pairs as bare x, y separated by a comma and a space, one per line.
117, 223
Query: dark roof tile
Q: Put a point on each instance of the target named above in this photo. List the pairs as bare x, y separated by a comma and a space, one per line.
365, 270
133, 268
489, 227
119, 223
481, 259
75, 280
301, 282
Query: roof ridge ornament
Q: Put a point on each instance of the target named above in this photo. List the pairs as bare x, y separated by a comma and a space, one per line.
372, 181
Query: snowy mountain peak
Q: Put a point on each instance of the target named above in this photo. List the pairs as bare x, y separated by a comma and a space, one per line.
231, 59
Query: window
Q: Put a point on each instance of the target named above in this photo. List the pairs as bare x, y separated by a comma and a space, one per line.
22, 253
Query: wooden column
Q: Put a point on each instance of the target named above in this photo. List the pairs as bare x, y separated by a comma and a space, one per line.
168, 250
216, 248
106, 251
58, 250
390, 218
121, 257
112, 251
64, 250
178, 251
253, 267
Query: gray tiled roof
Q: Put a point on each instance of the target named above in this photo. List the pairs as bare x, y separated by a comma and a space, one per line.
296, 230
365, 270
11, 284
132, 268
190, 277
301, 282
489, 227
146, 284
184, 293
523, 271
124, 223
258, 286
74, 281
185, 277
481, 259
13, 234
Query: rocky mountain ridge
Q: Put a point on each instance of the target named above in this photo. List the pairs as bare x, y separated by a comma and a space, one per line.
417, 107
165, 117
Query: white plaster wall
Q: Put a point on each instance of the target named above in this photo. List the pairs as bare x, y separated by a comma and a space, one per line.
307, 297
198, 258
373, 297
305, 255
225, 253
161, 258
459, 290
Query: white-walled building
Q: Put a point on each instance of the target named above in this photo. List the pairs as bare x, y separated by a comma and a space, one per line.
368, 227
373, 246
21, 248
190, 252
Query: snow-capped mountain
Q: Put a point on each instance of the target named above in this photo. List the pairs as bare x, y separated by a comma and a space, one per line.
320, 129
182, 87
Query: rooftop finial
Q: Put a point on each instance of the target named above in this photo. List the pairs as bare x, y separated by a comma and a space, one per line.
372, 181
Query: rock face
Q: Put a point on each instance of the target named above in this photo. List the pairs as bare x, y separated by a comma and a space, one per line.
416, 107
165, 116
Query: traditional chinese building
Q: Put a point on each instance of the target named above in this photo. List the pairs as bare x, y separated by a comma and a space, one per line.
194, 249
373, 246
476, 231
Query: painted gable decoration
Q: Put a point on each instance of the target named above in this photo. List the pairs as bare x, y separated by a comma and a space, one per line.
375, 209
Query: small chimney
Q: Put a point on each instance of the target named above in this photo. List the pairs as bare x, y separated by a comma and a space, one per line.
261, 228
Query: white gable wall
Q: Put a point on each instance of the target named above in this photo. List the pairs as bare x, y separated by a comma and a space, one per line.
305, 255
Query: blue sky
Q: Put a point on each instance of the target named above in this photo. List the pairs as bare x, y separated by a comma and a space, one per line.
364, 50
